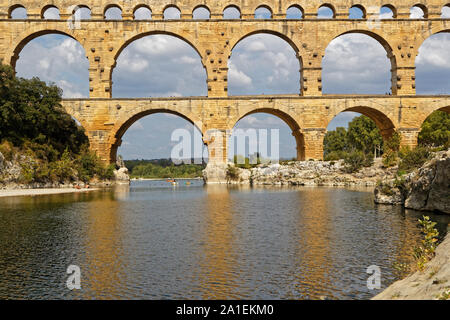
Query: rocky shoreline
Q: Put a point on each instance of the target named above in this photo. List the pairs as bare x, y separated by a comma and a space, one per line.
12, 177
303, 173
427, 188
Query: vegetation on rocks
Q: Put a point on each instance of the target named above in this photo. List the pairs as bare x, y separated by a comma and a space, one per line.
39, 141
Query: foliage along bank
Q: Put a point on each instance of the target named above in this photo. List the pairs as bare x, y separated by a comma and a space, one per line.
40, 143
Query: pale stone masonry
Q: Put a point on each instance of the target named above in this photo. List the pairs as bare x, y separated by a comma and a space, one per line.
308, 113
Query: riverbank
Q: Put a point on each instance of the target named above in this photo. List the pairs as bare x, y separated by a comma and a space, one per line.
303, 173
44, 191
430, 284
426, 188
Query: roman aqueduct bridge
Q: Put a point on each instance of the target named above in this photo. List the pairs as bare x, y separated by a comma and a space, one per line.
307, 113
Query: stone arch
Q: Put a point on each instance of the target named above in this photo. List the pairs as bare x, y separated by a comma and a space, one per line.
201, 7
26, 37
238, 39
76, 9
360, 7
232, 6
145, 34
384, 43
384, 123
171, 6
127, 120
266, 7
286, 117
141, 6
14, 7
47, 7
329, 6
390, 7
298, 7
423, 8
112, 6
432, 109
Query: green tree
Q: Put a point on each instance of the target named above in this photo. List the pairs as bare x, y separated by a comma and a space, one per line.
30, 110
435, 130
335, 144
363, 134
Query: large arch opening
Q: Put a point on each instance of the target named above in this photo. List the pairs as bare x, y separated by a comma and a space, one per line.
158, 65
433, 65
56, 58
160, 143
264, 63
356, 63
435, 130
265, 135
361, 129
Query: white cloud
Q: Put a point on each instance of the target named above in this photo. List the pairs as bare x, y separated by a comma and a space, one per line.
238, 77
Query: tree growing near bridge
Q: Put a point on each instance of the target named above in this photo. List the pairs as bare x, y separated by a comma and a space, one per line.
30, 112
435, 130
362, 135
40, 136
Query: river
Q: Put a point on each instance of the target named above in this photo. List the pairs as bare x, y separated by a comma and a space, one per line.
152, 240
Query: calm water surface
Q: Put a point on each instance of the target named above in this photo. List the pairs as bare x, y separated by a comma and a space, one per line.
155, 241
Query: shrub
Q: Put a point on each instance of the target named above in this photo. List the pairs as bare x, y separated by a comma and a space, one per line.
232, 173
426, 251
413, 159
354, 161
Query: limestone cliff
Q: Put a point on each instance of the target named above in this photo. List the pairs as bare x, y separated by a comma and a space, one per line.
427, 188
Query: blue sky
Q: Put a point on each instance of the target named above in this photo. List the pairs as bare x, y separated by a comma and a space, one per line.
163, 66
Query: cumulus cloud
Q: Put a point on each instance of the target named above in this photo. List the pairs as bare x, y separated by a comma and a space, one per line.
355, 63
56, 59
266, 62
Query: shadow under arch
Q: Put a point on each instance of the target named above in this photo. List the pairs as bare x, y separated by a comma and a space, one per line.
126, 122
17, 48
289, 120
382, 121
384, 43
152, 33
